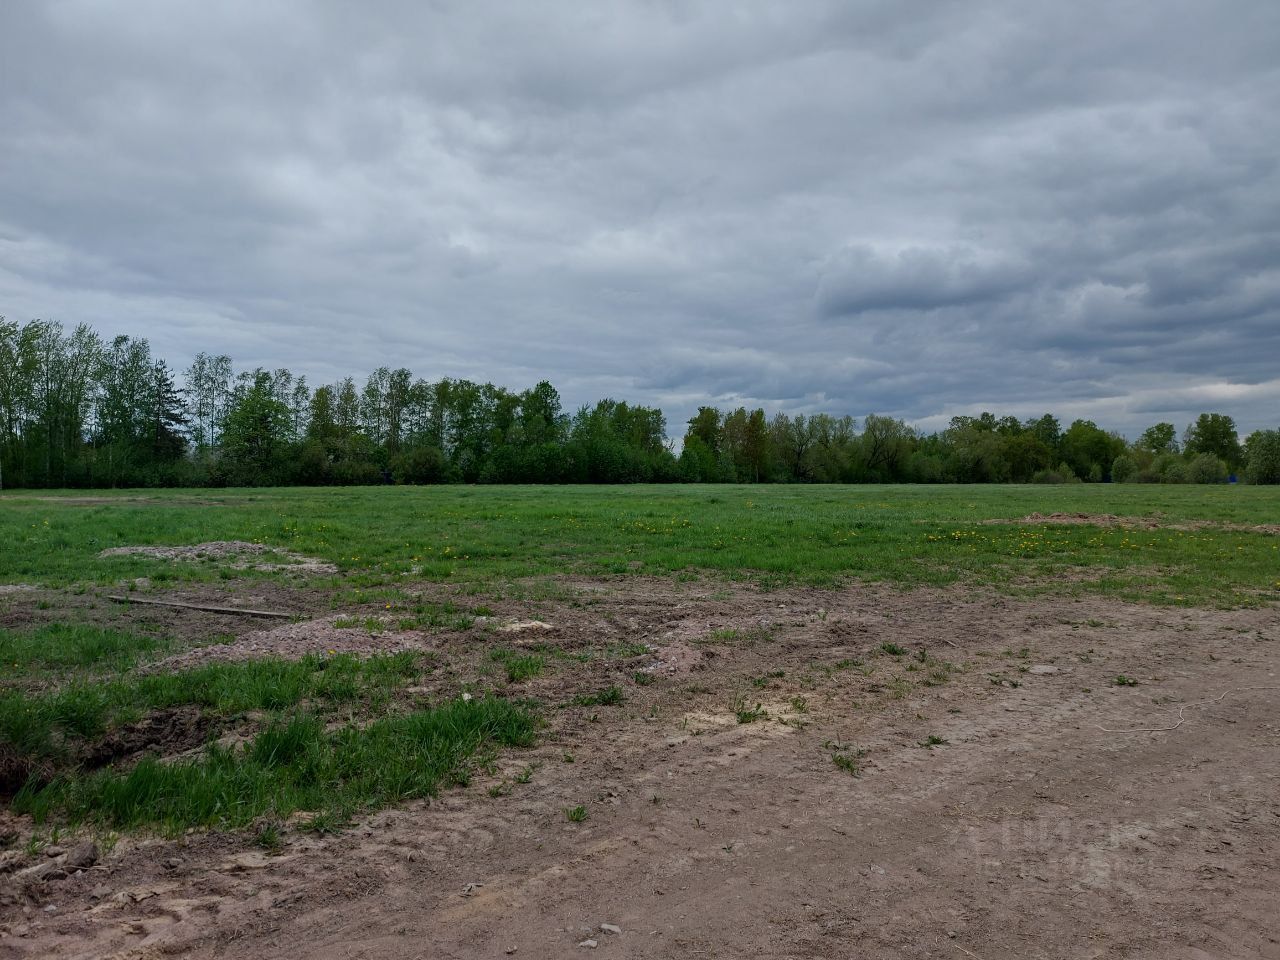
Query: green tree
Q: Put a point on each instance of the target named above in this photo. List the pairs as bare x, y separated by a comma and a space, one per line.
1047, 430
1262, 456
209, 393
1215, 434
886, 444
19, 369
166, 415
705, 425
1160, 438
1085, 446
255, 435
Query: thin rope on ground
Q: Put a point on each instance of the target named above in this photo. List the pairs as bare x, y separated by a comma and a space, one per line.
1181, 713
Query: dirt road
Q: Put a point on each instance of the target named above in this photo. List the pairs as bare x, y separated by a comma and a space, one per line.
996, 811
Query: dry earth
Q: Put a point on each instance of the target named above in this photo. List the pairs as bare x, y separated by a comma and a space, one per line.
1064, 816
239, 552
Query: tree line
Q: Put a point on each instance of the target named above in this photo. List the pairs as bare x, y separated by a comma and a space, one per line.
77, 410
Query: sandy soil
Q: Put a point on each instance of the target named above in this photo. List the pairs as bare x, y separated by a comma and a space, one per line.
1036, 830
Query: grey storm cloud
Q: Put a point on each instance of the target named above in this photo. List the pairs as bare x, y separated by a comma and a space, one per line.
914, 209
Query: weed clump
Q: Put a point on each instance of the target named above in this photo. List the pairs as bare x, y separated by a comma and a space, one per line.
608, 697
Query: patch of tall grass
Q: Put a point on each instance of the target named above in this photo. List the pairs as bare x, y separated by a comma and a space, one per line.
293, 764
39, 724
59, 647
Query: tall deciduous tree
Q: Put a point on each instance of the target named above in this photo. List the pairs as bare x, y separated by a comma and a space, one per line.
1214, 433
256, 432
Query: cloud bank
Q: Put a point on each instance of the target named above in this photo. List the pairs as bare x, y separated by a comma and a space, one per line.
915, 210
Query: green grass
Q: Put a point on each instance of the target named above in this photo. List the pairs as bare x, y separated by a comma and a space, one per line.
608, 697
58, 648
520, 667
333, 736
746, 713
495, 536
39, 725
292, 765
849, 763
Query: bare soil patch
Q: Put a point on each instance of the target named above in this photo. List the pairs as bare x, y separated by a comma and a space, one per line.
239, 552
293, 641
162, 733
188, 627
1138, 523
996, 812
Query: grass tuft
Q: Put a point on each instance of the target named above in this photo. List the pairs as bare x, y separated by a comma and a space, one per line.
608, 697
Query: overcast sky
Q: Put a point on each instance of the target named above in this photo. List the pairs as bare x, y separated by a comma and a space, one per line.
919, 209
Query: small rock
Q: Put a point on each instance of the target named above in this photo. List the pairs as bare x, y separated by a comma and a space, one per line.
589, 943
610, 928
41, 872
51, 908
53, 851
1042, 669
82, 857
173, 863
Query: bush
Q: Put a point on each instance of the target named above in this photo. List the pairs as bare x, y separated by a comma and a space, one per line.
1061, 474
1206, 468
1170, 468
1123, 469
1262, 456
425, 464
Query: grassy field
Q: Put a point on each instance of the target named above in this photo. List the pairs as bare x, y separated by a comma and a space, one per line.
815, 535
334, 735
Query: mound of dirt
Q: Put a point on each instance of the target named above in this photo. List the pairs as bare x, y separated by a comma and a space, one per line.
237, 551
293, 641
165, 732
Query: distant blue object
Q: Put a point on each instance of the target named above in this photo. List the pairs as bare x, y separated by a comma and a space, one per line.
1231, 479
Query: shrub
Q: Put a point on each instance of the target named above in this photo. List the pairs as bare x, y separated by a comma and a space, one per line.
1123, 469
1262, 456
1206, 468
1061, 474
